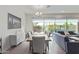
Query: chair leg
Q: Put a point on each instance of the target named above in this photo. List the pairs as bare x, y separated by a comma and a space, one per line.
32, 51
30, 46
45, 51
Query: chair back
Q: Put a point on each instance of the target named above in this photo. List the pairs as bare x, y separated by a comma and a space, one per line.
38, 44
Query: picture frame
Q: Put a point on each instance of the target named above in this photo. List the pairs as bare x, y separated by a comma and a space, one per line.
14, 22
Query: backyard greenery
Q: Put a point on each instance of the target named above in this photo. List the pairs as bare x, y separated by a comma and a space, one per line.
53, 26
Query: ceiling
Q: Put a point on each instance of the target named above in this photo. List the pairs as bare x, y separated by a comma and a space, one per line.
58, 11
49, 9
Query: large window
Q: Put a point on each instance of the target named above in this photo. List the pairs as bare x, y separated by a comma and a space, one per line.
44, 24
60, 24
38, 25
51, 25
72, 24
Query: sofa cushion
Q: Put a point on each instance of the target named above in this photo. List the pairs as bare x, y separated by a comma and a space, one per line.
71, 32
61, 32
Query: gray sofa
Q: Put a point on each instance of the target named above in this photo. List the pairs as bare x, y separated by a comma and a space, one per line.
59, 39
66, 43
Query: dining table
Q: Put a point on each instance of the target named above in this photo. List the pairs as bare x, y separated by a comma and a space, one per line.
47, 39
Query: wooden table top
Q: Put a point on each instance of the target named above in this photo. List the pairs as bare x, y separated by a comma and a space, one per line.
46, 37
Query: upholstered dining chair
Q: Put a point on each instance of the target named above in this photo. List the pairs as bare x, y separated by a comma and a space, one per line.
38, 45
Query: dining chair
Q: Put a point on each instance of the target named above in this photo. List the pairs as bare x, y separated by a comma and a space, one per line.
38, 45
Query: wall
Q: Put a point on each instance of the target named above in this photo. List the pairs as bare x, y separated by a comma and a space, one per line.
4, 31
28, 25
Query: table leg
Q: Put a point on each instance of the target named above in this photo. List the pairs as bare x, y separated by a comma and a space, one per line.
47, 43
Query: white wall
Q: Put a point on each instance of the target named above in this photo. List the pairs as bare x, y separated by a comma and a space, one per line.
28, 24
4, 31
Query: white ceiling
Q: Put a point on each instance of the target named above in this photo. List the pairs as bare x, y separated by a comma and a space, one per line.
58, 11
54, 9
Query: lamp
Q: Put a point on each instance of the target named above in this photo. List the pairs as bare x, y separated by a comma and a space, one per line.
38, 8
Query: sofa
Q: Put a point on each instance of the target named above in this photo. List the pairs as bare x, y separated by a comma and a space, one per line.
70, 46
59, 39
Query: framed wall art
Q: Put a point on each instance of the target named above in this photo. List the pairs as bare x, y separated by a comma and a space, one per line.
14, 22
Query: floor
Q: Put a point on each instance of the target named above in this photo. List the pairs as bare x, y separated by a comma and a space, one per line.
23, 48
